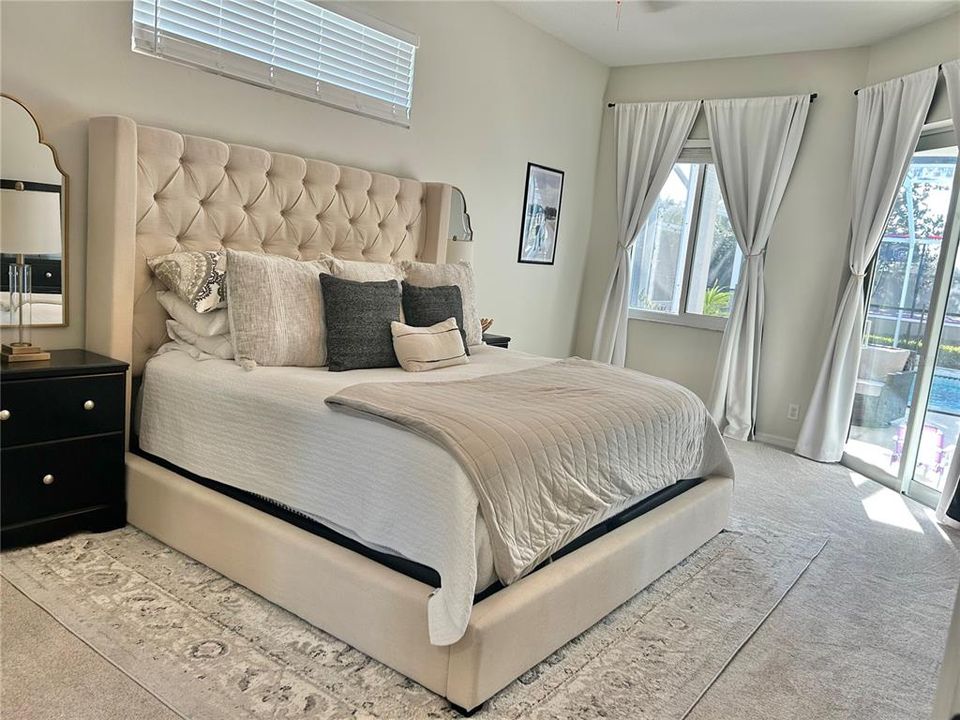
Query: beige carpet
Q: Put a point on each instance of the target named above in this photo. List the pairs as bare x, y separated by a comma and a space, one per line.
859, 636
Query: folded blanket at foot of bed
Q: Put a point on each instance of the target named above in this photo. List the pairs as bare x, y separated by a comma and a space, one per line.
551, 449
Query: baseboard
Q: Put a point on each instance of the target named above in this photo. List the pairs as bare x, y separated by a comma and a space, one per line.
776, 440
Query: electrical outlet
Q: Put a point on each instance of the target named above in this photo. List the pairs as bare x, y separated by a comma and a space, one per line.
793, 411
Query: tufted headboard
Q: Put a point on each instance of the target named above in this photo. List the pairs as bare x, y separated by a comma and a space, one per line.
153, 192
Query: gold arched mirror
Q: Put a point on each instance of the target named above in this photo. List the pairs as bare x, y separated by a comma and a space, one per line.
460, 232
33, 223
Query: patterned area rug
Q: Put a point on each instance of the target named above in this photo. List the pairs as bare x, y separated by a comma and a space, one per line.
212, 650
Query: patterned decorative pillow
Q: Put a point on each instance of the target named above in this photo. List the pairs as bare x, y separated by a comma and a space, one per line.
196, 276
459, 274
425, 306
428, 348
358, 316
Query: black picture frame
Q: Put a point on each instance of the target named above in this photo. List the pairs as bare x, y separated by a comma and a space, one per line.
540, 216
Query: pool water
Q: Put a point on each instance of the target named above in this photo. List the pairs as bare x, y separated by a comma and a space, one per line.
945, 394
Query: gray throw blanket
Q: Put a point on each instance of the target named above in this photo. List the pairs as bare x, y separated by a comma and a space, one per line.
551, 449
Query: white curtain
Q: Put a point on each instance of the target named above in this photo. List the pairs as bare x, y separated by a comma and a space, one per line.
755, 143
950, 496
889, 119
649, 139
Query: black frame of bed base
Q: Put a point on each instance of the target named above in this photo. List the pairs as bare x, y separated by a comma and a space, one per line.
412, 569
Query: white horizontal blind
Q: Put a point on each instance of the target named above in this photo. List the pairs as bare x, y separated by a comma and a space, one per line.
696, 151
290, 45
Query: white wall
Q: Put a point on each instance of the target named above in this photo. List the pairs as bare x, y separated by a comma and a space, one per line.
491, 92
808, 246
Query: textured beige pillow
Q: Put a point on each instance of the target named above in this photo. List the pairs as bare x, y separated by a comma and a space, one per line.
361, 271
428, 348
276, 310
459, 274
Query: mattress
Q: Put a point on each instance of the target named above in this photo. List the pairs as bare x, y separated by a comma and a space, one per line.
269, 432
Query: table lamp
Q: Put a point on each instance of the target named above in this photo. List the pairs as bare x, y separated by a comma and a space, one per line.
29, 225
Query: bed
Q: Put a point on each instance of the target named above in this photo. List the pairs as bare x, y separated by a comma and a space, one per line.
153, 191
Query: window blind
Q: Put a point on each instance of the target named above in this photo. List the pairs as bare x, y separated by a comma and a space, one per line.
293, 46
696, 151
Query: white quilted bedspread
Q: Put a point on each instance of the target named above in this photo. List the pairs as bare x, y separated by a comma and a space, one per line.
269, 432
550, 450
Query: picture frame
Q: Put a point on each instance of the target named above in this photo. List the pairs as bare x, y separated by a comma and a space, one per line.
540, 223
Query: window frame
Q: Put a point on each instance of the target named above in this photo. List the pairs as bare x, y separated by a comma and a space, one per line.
699, 148
146, 40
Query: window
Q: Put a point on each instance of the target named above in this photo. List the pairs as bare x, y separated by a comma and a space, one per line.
686, 261
293, 46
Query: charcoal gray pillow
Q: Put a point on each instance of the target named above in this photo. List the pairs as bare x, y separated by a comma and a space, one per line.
358, 317
426, 306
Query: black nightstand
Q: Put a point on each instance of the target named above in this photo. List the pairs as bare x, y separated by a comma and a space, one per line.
61, 446
496, 340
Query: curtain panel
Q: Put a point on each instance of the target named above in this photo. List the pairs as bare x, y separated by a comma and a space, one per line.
649, 138
890, 116
948, 510
755, 143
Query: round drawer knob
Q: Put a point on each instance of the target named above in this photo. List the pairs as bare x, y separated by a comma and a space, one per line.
4, 414
89, 405
48, 479
49, 275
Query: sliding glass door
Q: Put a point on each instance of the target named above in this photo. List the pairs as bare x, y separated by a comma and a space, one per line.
906, 417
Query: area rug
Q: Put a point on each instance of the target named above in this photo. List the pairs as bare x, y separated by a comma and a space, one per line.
212, 650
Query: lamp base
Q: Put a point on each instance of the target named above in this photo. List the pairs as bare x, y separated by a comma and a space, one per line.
22, 352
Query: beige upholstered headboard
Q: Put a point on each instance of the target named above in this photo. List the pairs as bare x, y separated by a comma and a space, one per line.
153, 192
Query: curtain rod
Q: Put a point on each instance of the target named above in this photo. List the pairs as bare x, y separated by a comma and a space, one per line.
813, 96
857, 91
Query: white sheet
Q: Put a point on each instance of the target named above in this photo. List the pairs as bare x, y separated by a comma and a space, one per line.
269, 432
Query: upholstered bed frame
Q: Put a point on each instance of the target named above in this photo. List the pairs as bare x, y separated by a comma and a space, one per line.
154, 191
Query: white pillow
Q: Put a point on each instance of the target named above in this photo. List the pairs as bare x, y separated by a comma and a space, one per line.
198, 346
428, 348
459, 274
206, 324
360, 271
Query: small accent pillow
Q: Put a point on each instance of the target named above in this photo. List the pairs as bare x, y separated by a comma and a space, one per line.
275, 310
358, 317
208, 324
196, 276
425, 306
197, 346
459, 274
428, 348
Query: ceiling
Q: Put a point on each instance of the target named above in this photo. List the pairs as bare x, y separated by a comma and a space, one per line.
655, 31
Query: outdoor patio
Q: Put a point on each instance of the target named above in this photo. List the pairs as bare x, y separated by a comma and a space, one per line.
881, 447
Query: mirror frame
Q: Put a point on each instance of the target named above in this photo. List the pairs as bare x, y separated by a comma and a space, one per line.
65, 215
468, 225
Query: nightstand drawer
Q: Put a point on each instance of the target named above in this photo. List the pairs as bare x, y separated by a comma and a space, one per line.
61, 477
51, 409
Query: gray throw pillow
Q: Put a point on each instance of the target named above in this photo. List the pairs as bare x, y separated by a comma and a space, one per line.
358, 317
426, 306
